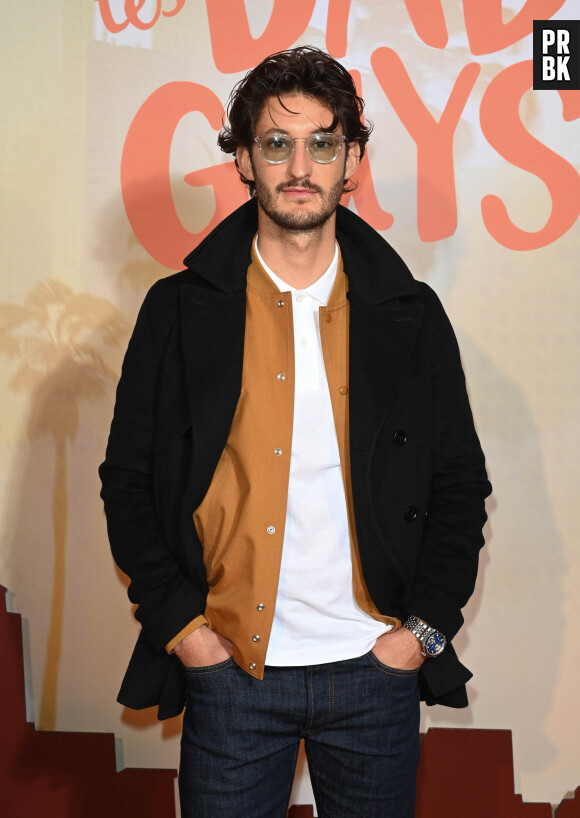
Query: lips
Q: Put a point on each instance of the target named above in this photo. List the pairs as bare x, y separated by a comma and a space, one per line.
299, 192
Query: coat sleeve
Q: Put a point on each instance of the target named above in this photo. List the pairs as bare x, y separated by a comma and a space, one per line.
166, 599
452, 535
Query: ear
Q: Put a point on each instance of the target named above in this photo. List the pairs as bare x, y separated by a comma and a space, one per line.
244, 163
352, 160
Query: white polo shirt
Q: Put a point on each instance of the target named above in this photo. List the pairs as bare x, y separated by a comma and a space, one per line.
316, 619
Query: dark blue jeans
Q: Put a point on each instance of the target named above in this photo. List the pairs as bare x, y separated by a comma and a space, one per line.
359, 720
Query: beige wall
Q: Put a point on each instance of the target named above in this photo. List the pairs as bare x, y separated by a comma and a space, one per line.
74, 272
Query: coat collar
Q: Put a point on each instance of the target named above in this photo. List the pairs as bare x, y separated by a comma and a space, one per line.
376, 273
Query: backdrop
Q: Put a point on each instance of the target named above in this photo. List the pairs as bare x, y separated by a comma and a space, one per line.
110, 174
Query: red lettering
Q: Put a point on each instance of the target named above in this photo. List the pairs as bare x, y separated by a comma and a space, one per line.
504, 130
145, 179
428, 21
436, 199
108, 20
132, 9
570, 105
179, 4
486, 30
337, 27
365, 197
233, 47
229, 192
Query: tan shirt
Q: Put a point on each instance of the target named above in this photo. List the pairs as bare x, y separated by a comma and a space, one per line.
241, 519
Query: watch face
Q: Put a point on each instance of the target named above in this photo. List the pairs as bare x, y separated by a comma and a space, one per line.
435, 644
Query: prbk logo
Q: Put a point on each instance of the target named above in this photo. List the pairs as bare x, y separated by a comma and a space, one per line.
556, 55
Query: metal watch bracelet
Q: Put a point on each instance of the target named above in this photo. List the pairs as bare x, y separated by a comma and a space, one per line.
432, 641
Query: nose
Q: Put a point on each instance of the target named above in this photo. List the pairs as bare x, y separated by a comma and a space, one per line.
300, 163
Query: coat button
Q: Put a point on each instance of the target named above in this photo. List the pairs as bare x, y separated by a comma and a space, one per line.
411, 513
252, 665
281, 376
327, 317
343, 390
187, 433
255, 638
260, 606
278, 452
400, 437
281, 303
271, 529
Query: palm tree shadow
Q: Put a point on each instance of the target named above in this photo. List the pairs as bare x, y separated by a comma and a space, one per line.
58, 340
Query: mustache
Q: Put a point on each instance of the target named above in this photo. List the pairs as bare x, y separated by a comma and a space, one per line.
297, 183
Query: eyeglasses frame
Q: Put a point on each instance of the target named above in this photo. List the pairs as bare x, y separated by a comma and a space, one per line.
342, 139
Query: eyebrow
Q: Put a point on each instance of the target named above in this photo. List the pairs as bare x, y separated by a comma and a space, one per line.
284, 132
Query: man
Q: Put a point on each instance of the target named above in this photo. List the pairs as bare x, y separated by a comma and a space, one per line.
293, 482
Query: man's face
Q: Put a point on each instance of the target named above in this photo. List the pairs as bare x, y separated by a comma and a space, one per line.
299, 194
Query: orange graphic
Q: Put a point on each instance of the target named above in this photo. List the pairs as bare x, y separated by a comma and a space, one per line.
132, 9
234, 48
503, 129
145, 179
486, 30
436, 199
429, 21
145, 176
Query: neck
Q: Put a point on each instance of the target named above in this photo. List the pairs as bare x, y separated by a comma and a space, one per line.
299, 257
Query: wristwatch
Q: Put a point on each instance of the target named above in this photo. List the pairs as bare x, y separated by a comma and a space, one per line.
432, 641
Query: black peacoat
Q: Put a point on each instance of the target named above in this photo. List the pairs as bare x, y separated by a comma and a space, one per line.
418, 473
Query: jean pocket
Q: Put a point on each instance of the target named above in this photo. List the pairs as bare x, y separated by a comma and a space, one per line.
392, 671
209, 669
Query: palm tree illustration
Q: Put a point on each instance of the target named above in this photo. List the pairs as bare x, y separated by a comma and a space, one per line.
56, 338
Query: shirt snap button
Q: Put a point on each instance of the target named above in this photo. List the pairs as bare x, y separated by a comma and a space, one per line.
281, 376
271, 529
278, 451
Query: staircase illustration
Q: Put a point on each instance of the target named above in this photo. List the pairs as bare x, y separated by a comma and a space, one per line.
463, 773
64, 775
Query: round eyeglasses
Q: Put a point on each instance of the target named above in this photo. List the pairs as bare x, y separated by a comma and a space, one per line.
322, 147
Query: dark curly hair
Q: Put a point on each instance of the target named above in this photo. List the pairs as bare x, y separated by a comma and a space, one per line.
304, 70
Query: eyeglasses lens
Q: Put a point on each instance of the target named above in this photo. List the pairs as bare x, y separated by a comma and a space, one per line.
321, 147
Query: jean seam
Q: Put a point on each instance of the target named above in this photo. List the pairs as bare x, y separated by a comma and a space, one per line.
331, 696
290, 783
311, 686
392, 671
204, 670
